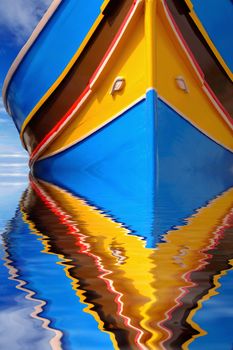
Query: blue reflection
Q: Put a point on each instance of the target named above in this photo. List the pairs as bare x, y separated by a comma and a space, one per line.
216, 317
18, 327
46, 278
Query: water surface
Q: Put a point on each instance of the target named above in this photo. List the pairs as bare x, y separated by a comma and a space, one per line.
73, 277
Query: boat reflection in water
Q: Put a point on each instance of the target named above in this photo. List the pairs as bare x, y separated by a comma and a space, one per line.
23, 320
106, 290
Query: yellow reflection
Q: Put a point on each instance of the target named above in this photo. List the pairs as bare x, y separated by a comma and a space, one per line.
145, 285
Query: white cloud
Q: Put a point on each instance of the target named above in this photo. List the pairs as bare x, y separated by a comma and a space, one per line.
13, 174
21, 16
14, 165
14, 155
13, 183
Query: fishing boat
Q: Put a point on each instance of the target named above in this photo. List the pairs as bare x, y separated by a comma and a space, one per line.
132, 95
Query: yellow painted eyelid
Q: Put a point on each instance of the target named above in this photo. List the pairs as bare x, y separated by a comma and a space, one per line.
201, 28
65, 71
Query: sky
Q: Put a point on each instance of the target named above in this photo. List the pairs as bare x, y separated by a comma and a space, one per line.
18, 18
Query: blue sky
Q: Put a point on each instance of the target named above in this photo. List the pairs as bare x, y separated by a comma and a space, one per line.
18, 18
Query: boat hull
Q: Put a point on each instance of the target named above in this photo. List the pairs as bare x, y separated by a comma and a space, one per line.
137, 165
141, 115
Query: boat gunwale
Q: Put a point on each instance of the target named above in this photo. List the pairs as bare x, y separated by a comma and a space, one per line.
42, 24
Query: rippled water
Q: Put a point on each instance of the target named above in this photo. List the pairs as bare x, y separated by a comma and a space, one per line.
72, 277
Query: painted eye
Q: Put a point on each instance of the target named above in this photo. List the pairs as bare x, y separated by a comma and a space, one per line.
118, 85
181, 83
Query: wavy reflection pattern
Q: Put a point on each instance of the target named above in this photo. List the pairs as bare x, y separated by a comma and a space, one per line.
132, 296
22, 308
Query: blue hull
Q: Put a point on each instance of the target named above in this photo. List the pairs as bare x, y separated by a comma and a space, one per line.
147, 173
50, 54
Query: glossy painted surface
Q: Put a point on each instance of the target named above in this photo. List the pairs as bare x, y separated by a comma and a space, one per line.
102, 107
216, 17
173, 48
108, 161
99, 105
38, 77
191, 170
165, 56
144, 170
